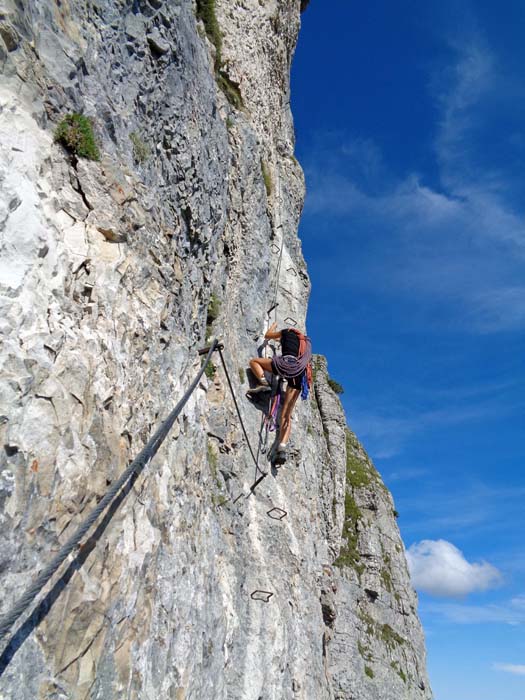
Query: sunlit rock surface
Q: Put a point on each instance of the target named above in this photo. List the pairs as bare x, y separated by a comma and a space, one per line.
107, 271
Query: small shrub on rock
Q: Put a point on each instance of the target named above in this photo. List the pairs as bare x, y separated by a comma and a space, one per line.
335, 386
75, 132
206, 13
141, 151
210, 370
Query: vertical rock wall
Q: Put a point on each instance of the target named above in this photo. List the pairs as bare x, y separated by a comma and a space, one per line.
112, 275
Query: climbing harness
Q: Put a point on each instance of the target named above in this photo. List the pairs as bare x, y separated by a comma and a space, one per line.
290, 366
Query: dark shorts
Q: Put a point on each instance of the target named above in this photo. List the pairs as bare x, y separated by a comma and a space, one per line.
294, 383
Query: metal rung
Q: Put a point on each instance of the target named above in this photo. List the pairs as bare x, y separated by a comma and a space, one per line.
280, 514
263, 596
238, 497
289, 321
275, 248
258, 481
292, 269
206, 350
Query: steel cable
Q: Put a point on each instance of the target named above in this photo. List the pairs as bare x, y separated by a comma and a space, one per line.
135, 468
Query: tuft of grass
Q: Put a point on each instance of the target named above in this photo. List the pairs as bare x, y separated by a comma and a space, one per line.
386, 578
242, 375
141, 151
213, 461
357, 473
219, 501
335, 386
212, 457
212, 313
75, 132
368, 621
214, 308
390, 637
369, 672
268, 183
359, 469
230, 89
206, 13
349, 554
364, 651
210, 370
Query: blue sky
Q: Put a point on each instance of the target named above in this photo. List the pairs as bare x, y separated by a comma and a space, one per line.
410, 124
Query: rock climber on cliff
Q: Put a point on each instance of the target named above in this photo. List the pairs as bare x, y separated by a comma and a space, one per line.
294, 365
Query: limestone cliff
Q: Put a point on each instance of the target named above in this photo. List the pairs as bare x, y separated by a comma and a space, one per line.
112, 274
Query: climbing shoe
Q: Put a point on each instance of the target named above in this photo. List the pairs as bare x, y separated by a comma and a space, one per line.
281, 455
262, 386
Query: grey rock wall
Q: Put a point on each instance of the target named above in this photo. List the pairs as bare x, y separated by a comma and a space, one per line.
107, 271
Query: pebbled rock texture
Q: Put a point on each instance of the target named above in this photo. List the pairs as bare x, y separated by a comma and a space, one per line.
112, 275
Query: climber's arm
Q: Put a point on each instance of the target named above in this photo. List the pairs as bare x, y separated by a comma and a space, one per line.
272, 333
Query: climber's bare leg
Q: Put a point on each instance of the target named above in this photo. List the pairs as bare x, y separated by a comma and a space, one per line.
290, 399
260, 365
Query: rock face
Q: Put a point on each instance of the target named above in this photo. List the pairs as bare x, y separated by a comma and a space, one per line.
113, 274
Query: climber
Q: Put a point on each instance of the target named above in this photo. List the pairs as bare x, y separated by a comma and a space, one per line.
294, 365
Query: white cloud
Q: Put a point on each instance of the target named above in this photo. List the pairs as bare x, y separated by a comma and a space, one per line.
517, 669
499, 309
408, 474
439, 568
459, 244
471, 506
511, 612
477, 614
386, 435
471, 79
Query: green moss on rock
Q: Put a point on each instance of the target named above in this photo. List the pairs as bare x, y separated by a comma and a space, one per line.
206, 12
141, 151
349, 554
335, 386
212, 313
210, 370
75, 132
390, 637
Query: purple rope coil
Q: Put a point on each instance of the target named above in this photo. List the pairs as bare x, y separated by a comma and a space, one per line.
289, 367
